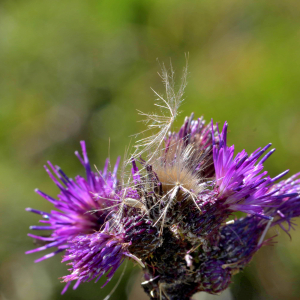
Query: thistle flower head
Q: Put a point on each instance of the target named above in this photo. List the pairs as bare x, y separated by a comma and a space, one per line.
82, 205
287, 202
237, 242
240, 182
171, 216
93, 255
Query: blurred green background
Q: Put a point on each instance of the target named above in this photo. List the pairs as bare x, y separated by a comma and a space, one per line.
73, 70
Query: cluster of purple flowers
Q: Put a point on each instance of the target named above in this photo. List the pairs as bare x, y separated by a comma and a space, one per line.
172, 218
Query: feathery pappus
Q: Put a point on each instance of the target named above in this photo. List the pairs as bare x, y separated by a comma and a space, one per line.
170, 214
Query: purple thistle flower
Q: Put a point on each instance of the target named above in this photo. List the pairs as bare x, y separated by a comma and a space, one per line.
170, 215
287, 200
172, 219
93, 255
82, 205
237, 243
240, 183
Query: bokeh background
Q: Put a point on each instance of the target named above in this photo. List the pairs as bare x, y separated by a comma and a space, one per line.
73, 70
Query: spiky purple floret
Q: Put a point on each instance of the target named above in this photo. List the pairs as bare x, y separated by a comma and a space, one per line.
240, 182
82, 203
286, 204
193, 131
93, 255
